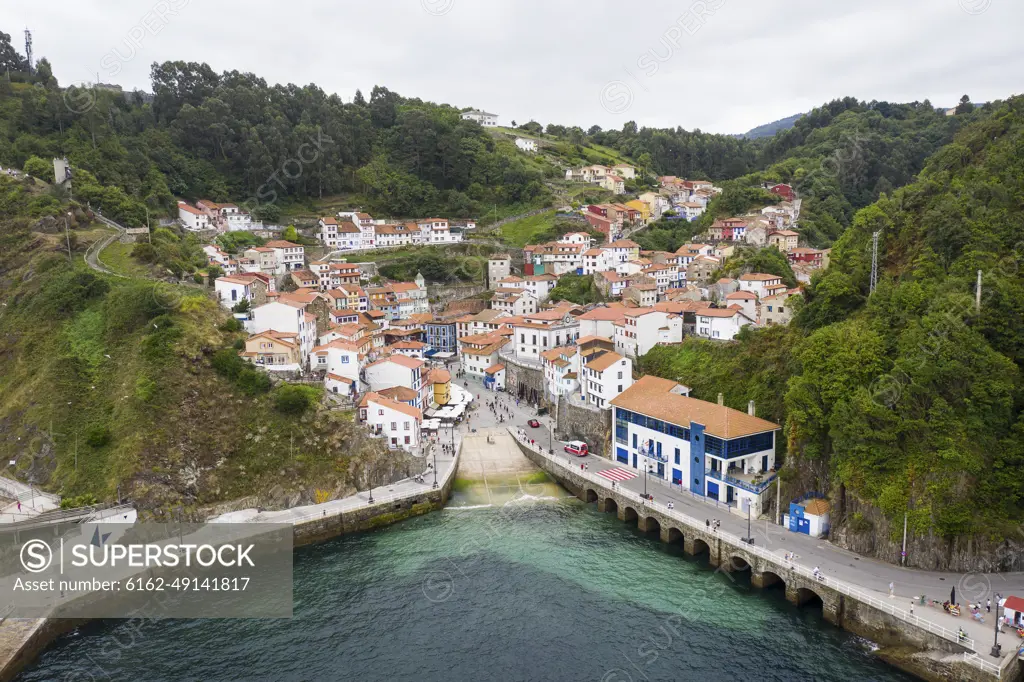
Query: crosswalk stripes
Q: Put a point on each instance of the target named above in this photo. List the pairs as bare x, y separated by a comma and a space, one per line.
617, 474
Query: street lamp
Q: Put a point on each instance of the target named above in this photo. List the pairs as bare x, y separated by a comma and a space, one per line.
647, 472
435, 467
749, 540
996, 647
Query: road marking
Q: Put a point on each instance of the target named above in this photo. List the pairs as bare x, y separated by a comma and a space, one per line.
617, 474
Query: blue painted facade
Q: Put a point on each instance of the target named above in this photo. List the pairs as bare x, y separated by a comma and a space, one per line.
441, 337
687, 456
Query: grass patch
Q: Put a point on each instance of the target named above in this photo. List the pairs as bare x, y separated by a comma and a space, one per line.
525, 231
118, 257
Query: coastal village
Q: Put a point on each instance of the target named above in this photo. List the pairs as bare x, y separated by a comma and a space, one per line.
393, 354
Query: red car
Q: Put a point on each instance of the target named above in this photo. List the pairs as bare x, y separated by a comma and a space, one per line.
533, 423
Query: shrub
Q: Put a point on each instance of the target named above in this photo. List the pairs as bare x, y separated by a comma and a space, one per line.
97, 436
38, 168
130, 306
144, 252
292, 399
232, 325
69, 292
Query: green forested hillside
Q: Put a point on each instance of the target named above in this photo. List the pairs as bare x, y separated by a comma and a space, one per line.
231, 136
908, 399
126, 386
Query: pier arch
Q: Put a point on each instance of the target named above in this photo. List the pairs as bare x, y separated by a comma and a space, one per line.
629, 515
768, 579
805, 596
649, 524
698, 547
610, 505
675, 536
735, 562
590, 495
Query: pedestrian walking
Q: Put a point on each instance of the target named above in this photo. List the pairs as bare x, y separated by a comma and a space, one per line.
19, 506
911, 607
707, 522
988, 606
892, 590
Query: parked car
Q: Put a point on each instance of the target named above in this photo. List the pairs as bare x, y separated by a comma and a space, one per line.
533, 423
577, 447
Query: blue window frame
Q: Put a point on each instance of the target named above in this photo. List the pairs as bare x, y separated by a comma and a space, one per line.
677, 455
634, 441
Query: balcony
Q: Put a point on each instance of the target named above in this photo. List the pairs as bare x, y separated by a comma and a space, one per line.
755, 483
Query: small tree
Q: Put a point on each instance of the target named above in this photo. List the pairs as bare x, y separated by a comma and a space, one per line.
38, 168
242, 306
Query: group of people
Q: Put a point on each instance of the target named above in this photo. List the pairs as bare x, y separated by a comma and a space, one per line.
712, 525
499, 409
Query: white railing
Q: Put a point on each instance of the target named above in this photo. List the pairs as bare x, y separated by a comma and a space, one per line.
839, 586
971, 658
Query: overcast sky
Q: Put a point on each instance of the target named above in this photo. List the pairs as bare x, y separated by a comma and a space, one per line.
718, 65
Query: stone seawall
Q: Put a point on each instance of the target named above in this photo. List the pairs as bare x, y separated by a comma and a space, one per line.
909, 646
23, 639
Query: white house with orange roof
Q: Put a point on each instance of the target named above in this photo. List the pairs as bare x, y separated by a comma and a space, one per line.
722, 324
642, 329
336, 357
746, 300
290, 257
543, 331
613, 183
759, 283
784, 240
622, 251
603, 377
273, 351
398, 423
561, 367
232, 290
478, 352
540, 286
399, 370
285, 316
192, 218
600, 321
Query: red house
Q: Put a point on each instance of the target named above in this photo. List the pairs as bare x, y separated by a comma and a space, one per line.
783, 190
812, 257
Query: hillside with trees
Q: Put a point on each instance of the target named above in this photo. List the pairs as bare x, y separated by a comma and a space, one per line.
122, 386
906, 400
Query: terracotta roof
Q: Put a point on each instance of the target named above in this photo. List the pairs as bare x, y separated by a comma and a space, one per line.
286, 338
604, 361
740, 295
233, 279
785, 233
393, 404
758, 277
404, 361
652, 396
717, 312
399, 393
282, 244
555, 353
329, 221
817, 507
603, 314
338, 377
439, 376
622, 244
494, 369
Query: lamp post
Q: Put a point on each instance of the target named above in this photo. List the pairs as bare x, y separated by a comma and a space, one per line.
647, 472
435, 467
748, 539
996, 647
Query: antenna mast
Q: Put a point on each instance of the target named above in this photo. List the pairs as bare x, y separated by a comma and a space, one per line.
28, 50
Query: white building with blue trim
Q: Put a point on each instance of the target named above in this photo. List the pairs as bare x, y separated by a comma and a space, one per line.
706, 448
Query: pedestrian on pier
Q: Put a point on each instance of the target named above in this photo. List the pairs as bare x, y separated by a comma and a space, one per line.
911, 607
707, 522
892, 590
988, 606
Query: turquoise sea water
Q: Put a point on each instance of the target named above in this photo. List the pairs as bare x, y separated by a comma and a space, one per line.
532, 590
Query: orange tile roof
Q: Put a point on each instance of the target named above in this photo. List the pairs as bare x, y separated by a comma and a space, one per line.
494, 369
384, 401
652, 396
604, 361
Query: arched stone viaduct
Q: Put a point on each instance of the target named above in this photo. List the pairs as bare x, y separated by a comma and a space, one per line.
722, 554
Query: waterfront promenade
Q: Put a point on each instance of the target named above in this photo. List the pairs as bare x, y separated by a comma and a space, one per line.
859, 578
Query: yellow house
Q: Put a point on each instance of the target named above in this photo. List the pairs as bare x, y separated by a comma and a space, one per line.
643, 207
273, 350
442, 381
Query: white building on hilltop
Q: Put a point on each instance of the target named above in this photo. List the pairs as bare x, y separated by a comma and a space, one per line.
526, 145
482, 117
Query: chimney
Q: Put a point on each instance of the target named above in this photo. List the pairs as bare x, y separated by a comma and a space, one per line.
750, 409
721, 399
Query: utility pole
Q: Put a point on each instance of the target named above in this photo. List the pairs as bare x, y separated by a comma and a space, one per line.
778, 500
874, 261
903, 553
28, 50
67, 236
977, 295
